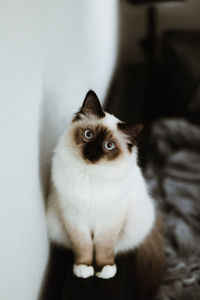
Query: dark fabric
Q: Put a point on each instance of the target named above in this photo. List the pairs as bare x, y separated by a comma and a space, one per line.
173, 172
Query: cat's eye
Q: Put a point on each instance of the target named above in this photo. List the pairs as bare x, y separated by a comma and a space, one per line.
109, 146
88, 134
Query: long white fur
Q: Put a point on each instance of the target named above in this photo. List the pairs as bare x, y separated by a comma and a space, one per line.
95, 198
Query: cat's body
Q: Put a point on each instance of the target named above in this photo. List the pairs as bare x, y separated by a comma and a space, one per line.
99, 204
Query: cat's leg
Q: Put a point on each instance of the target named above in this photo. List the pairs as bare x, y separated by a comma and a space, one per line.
83, 251
77, 237
80, 242
104, 253
82, 246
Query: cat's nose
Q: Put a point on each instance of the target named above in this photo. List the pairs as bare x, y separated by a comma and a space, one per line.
92, 154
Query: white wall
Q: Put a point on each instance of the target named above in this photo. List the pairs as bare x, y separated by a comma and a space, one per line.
51, 53
170, 15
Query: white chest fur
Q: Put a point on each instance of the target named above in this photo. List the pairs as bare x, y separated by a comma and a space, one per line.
99, 199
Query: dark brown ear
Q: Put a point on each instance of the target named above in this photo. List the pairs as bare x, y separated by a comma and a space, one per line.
91, 105
132, 130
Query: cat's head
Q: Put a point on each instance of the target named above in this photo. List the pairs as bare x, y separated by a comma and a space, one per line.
99, 136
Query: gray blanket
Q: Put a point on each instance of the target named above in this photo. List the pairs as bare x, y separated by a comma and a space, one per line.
173, 172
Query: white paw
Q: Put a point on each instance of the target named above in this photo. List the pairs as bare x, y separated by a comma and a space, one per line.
83, 271
107, 272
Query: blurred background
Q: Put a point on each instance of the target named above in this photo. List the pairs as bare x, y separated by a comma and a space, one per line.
142, 58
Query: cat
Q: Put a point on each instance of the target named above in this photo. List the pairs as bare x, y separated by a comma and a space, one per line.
99, 205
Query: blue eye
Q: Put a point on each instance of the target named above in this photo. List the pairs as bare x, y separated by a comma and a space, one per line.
88, 134
109, 146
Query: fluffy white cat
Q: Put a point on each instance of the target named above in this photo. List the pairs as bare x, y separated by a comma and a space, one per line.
99, 204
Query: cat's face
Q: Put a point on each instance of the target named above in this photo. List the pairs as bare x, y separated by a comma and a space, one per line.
99, 136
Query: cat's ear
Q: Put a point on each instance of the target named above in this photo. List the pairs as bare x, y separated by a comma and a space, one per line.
132, 130
91, 105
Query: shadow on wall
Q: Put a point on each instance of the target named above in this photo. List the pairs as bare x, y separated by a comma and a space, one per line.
49, 132
51, 126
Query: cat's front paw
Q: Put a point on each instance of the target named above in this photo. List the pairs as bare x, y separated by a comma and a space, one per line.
107, 272
83, 271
